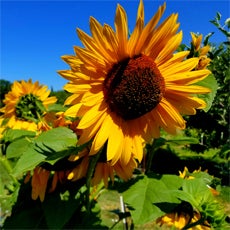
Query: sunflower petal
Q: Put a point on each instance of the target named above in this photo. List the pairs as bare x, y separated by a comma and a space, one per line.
91, 115
101, 136
148, 29
191, 89
115, 143
121, 25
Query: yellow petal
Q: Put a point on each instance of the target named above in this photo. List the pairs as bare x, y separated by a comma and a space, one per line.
121, 25
72, 111
90, 99
97, 32
112, 41
92, 115
89, 133
138, 147
179, 67
148, 29
102, 135
192, 89
92, 59
172, 112
161, 36
167, 52
189, 77
115, 143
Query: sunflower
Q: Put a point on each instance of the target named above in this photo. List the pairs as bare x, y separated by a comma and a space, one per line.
179, 221
25, 105
198, 51
125, 88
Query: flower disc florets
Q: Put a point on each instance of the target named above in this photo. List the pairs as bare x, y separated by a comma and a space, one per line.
133, 87
29, 107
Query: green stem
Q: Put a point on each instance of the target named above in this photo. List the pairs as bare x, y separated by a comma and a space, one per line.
150, 155
92, 164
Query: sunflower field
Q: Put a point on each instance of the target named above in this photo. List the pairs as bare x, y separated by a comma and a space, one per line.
137, 139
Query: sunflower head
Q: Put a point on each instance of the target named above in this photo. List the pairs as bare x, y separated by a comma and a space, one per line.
26, 105
197, 50
125, 88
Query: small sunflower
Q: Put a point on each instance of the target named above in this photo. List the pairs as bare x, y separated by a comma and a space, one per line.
198, 51
25, 105
125, 88
180, 220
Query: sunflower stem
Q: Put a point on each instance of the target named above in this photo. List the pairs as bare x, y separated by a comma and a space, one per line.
157, 143
92, 164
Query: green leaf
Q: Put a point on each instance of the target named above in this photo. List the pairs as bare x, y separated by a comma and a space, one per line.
206, 38
56, 144
141, 196
183, 140
28, 161
49, 146
211, 83
218, 16
57, 139
56, 108
13, 134
9, 188
172, 181
194, 191
16, 148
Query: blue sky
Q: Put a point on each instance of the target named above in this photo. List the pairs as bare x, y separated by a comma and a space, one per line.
35, 34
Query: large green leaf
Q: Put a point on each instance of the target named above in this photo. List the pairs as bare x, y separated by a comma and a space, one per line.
16, 148
50, 146
29, 160
57, 139
195, 192
12, 134
143, 197
211, 83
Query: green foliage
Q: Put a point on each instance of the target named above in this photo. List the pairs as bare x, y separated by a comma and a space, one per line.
211, 83
144, 199
61, 95
212, 126
4, 88
62, 209
49, 147
9, 188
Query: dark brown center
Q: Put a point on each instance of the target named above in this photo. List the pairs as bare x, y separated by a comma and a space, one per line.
133, 87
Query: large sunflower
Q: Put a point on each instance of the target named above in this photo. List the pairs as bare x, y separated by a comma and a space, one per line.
125, 88
25, 105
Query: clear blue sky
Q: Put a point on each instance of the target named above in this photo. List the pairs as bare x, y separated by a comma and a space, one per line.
35, 34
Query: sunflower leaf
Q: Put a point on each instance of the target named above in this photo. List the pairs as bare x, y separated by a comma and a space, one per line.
57, 139
12, 134
144, 200
211, 83
21, 145
50, 146
29, 159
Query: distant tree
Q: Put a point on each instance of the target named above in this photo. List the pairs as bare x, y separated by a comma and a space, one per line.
4, 88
